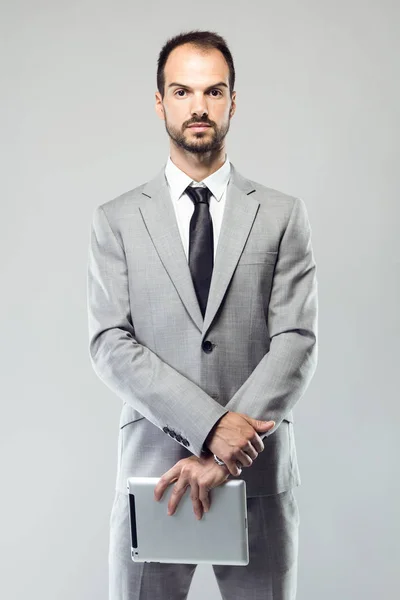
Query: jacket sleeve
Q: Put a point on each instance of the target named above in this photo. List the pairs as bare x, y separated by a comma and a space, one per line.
131, 370
283, 374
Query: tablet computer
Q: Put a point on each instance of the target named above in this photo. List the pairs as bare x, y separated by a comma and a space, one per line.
220, 537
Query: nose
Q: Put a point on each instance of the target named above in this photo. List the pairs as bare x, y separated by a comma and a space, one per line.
199, 107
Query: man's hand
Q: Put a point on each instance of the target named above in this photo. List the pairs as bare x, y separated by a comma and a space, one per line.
234, 438
201, 474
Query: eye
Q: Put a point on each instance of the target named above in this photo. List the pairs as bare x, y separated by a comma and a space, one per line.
213, 90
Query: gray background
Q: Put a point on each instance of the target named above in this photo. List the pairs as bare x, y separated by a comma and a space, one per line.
317, 117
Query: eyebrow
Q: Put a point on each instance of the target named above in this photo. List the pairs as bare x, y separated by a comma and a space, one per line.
210, 87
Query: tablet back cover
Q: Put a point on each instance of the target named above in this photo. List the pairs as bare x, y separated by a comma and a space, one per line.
220, 537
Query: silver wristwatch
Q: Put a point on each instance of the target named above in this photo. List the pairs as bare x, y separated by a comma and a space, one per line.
222, 464
219, 461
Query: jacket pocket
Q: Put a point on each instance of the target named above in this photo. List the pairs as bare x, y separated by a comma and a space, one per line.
128, 415
289, 418
254, 257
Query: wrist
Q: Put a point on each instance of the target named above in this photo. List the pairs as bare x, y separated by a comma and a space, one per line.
205, 452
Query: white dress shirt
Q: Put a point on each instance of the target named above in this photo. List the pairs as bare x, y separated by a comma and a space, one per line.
217, 183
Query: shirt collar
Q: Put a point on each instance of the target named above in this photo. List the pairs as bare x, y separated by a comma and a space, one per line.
178, 181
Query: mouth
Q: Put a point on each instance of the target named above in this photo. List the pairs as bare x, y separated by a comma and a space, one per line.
199, 127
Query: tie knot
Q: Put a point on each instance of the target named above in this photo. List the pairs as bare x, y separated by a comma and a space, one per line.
198, 194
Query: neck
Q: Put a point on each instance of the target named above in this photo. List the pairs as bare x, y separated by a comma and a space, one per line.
197, 166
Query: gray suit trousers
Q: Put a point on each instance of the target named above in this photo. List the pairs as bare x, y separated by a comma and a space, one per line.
273, 527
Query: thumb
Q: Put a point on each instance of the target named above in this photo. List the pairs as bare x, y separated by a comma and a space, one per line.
263, 425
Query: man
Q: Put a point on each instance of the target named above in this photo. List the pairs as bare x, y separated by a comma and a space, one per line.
202, 301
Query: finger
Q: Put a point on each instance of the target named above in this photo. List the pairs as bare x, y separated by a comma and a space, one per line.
250, 450
204, 496
197, 504
164, 481
178, 491
257, 443
244, 459
234, 469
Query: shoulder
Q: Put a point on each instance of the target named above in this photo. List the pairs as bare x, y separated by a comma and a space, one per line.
122, 202
267, 196
283, 205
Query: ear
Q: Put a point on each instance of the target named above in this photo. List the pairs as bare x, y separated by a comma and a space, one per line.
159, 108
233, 104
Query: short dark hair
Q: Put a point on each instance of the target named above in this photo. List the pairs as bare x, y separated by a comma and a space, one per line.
202, 40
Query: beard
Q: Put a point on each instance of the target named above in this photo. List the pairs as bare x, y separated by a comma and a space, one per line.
198, 142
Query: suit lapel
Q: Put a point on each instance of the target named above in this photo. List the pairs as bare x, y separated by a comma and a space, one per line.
159, 217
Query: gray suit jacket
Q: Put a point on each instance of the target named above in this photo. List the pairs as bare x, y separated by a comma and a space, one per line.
254, 352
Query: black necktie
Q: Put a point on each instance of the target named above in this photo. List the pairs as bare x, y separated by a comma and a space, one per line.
201, 243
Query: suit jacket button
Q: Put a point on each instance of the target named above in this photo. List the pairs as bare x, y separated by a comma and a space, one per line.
185, 442
207, 346
178, 438
165, 429
172, 433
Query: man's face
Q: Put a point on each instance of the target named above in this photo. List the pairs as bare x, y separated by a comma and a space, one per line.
192, 95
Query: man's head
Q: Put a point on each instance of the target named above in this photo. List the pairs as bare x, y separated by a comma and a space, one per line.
195, 80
